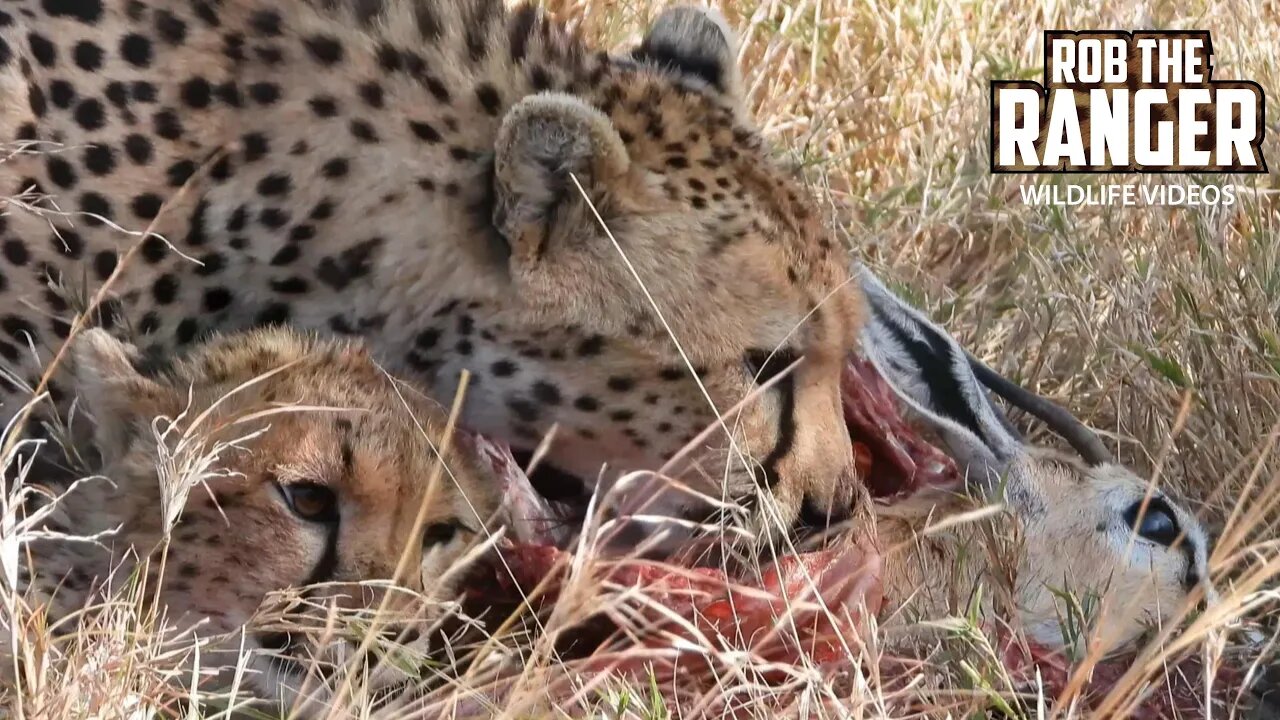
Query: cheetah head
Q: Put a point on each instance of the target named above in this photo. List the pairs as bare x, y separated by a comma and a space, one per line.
319, 470
672, 279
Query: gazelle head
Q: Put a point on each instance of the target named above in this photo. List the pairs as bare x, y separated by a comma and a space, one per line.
1086, 525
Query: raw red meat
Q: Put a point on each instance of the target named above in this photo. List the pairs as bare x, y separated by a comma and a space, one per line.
803, 609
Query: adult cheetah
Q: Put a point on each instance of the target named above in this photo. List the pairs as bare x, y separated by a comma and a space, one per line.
291, 461
602, 241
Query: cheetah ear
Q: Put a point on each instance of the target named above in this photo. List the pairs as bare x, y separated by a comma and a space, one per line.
113, 392
546, 141
695, 42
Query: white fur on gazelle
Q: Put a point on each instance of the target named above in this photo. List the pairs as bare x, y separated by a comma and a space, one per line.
1073, 527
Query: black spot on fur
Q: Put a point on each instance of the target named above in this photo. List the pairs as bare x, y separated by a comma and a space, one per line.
170, 27
286, 255
211, 264
146, 206
143, 91
117, 94
427, 339
335, 168
546, 393
19, 329
154, 249
270, 55
264, 93
371, 93
186, 331
523, 409
428, 24
136, 50
324, 48
322, 211
238, 219
324, 106
389, 58
222, 169
520, 28
36, 99
104, 263
489, 99
42, 50
273, 218
206, 13
216, 298
363, 131
164, 289
266, 23
60, 172
274, 185
425, 131
89, 114
290, 286
67, 242
196, 93
86, 11
255, 146
99, 160
167, 125
179, 172
356, 262
15, 251
62, 94
275, 314
139, 149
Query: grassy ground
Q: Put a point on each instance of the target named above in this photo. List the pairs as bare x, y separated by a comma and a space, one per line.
1158, 326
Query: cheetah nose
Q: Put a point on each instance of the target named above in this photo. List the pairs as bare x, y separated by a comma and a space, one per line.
818, 514
1158, 524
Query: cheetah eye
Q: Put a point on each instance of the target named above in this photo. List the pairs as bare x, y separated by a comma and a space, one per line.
310, 501
440, 533
765, 365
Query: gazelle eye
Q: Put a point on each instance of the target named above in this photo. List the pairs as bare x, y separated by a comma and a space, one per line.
311, 502
1159, 523
440, 533
765, 365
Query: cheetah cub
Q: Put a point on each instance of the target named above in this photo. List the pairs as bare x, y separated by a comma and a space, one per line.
283, 461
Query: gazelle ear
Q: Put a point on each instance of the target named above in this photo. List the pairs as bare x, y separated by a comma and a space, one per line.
929, 370
113, 392
695, 42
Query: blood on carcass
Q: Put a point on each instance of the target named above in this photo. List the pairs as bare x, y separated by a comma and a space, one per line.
802, 609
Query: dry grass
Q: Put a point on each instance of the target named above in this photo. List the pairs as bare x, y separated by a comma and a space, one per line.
1158, 326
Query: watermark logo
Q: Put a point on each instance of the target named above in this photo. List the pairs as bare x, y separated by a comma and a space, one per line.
1116, 101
